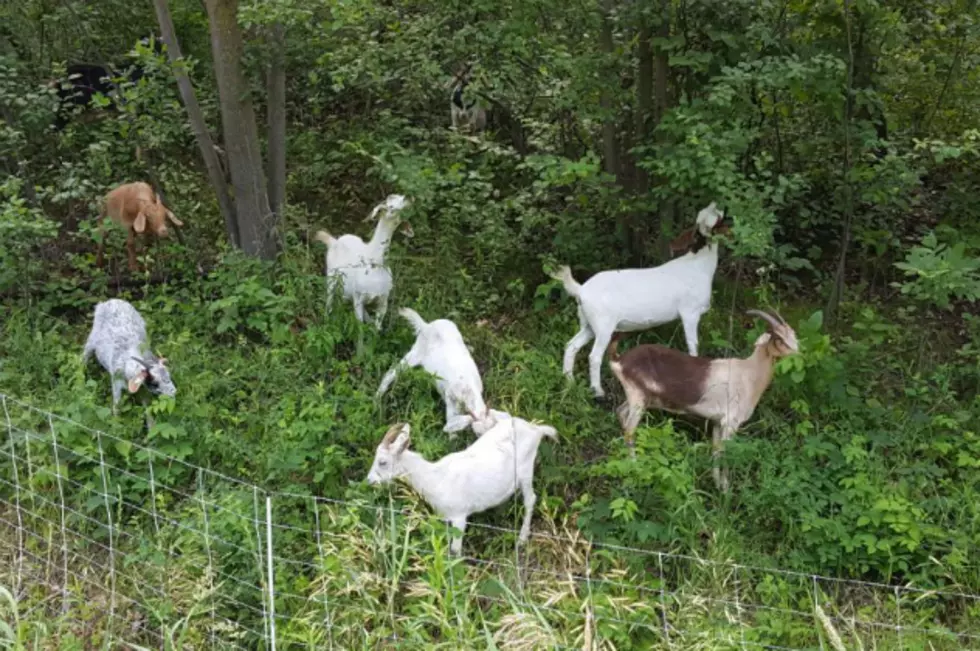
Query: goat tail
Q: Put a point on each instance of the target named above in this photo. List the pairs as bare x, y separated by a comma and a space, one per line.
612, 349
564, 274
413, 318
325, 237
549, 431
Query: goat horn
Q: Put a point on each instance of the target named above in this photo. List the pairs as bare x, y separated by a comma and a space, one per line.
768, 318
779, 317
392, 434
147, 366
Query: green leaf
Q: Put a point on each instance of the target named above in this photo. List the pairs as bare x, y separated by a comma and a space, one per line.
124, 447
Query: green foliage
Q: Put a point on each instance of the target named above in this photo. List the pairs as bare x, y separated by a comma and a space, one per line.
938, 272
22, 230
861, 459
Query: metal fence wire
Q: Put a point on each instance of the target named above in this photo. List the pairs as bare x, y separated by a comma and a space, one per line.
135, 547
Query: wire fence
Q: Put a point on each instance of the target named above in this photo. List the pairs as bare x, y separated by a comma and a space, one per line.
133, 547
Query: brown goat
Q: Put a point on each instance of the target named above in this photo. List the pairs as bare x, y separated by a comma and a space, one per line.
724, 391
137, 208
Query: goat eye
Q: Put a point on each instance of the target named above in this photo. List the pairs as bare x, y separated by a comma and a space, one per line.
382, 463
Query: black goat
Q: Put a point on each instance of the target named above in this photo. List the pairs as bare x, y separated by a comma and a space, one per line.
84, 80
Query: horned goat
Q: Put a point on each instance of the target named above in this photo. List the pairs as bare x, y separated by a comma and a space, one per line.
138, 209
360, 267
466, 115
628, 300
118, 339
439, 349
724, 391
482, 476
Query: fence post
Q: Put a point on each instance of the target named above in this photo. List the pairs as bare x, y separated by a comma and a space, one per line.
898, 626
272, 585
20, 521
112, 546
207, 547
738, 607
319, 548
663, 599
61, 497
260, 559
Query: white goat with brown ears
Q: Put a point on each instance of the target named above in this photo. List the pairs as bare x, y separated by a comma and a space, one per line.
724, 391
359, 267
439, 348
628, 300
484, 475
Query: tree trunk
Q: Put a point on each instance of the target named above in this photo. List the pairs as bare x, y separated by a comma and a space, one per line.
205, 144
644, 97
255, 219
661, 102
277, 122
863, 78
661, 67
837, 289
610, 141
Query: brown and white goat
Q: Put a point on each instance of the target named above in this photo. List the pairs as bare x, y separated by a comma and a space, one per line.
137, 208
724, 391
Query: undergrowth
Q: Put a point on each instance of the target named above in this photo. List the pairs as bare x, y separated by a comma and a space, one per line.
860, 462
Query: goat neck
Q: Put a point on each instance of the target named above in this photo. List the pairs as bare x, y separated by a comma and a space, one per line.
761, 362
422, 476
707, 255
383, 233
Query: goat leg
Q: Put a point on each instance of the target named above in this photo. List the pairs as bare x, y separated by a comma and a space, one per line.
529, 501
456, 546
131, 250
381, 310
99, 257
719, 435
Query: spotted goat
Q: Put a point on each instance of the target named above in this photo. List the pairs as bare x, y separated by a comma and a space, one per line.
118, 339
724, 391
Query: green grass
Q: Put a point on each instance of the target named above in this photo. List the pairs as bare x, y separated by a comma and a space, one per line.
841, 472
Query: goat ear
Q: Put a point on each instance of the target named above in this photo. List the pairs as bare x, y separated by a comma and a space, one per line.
682, 242
136, 382
401, 442
139, 225
176, 221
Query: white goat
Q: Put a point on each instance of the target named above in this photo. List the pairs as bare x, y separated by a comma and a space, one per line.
725, 391
628, 300
359, 266
482, 476
118, 339
439, 349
